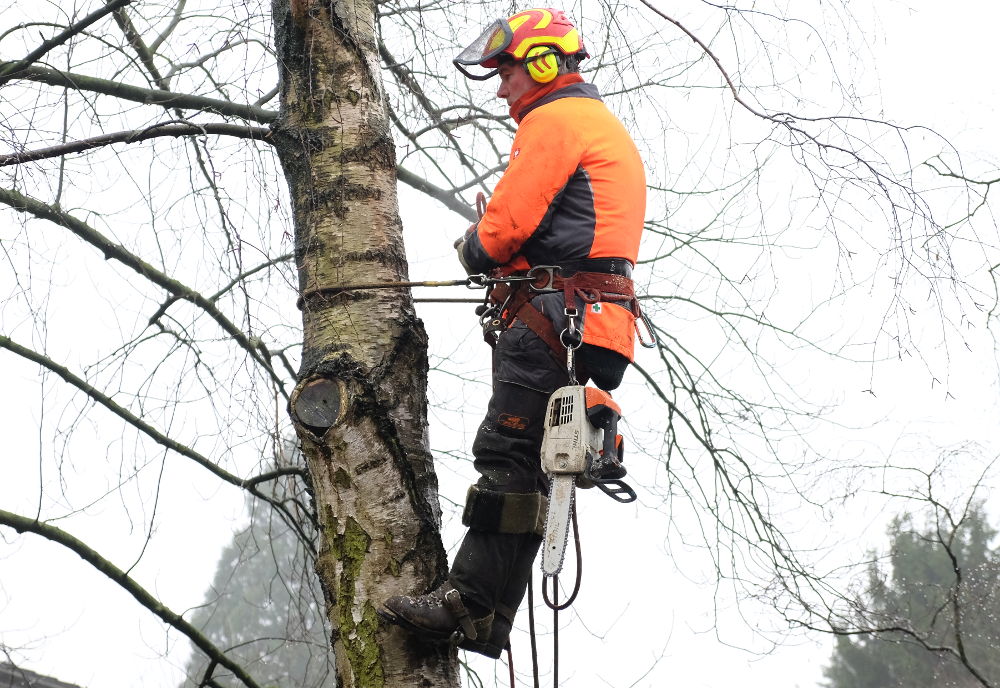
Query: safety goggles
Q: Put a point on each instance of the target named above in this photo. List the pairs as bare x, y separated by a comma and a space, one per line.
484, 51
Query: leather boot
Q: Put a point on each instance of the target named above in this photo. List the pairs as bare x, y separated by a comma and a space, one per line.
440, 615
508, 602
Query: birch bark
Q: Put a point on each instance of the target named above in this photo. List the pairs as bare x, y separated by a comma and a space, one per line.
360, 403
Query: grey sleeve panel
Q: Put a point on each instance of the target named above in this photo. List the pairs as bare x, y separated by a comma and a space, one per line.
567, 231
476, 257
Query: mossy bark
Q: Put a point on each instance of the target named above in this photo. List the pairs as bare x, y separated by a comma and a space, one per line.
362, 385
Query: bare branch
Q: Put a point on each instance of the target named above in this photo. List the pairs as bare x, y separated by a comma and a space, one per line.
174, 22
141, 595
137, 94
144, 53
116, 251
446, 197
251, 485
712, 56
135, 136
9, 70
126, 415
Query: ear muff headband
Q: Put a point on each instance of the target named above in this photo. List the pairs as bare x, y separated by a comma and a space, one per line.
542, 63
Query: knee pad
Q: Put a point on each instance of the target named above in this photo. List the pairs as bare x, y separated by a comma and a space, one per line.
515, 513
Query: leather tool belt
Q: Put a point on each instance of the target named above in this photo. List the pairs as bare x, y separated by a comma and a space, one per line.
589, 281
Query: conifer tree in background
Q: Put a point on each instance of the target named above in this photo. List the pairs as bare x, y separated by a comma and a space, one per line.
931, 610
265, 608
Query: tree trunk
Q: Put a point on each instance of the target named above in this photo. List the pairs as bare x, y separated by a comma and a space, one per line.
360, 406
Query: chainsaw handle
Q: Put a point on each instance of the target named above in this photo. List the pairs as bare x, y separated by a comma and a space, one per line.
610, 437
618, 490
606, 419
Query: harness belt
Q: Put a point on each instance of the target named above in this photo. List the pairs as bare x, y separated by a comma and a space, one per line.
591, 280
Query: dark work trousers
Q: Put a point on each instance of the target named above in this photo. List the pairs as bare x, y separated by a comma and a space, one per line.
492, 570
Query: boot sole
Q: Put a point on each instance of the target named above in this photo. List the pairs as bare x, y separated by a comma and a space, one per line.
438, 638
485, 649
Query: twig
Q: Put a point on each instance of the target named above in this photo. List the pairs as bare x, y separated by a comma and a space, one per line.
111, 250
8, 70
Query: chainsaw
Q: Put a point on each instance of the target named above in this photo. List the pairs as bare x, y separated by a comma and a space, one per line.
580, 447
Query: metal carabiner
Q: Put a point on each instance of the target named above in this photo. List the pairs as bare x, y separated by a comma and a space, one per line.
477, 281
570, 337
651, 344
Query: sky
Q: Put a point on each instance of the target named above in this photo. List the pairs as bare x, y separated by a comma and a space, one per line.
930, 63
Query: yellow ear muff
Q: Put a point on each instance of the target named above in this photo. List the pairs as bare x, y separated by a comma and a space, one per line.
542, 63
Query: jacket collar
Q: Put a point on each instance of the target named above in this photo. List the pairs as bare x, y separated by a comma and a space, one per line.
564, 86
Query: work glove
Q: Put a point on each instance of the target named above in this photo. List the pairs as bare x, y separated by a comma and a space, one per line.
460, 248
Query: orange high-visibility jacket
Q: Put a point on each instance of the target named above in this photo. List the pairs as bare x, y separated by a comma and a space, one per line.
574, 189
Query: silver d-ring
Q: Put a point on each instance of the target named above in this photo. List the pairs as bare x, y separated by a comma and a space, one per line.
535, 273
571, 347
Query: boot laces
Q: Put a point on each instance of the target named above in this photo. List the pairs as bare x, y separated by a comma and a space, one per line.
435, 598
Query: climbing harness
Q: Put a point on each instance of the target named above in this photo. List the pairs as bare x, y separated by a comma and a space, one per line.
599, 280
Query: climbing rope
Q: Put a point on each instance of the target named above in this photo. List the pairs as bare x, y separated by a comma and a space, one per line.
472, 281
540, 277
552, 602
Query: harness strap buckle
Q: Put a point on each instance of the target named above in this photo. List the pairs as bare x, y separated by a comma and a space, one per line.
543, 278
453, 602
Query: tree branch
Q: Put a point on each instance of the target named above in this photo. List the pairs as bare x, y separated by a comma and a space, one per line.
135, 136
8, 70
123, 413
141, 595
144, 53
411, 179
23, 203
137, 94
447, 198
251, 485
718, 63
174, 23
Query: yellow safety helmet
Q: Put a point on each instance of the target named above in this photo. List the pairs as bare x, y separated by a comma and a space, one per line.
534, 37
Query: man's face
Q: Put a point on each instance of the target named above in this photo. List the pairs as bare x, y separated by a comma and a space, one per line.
514, 82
